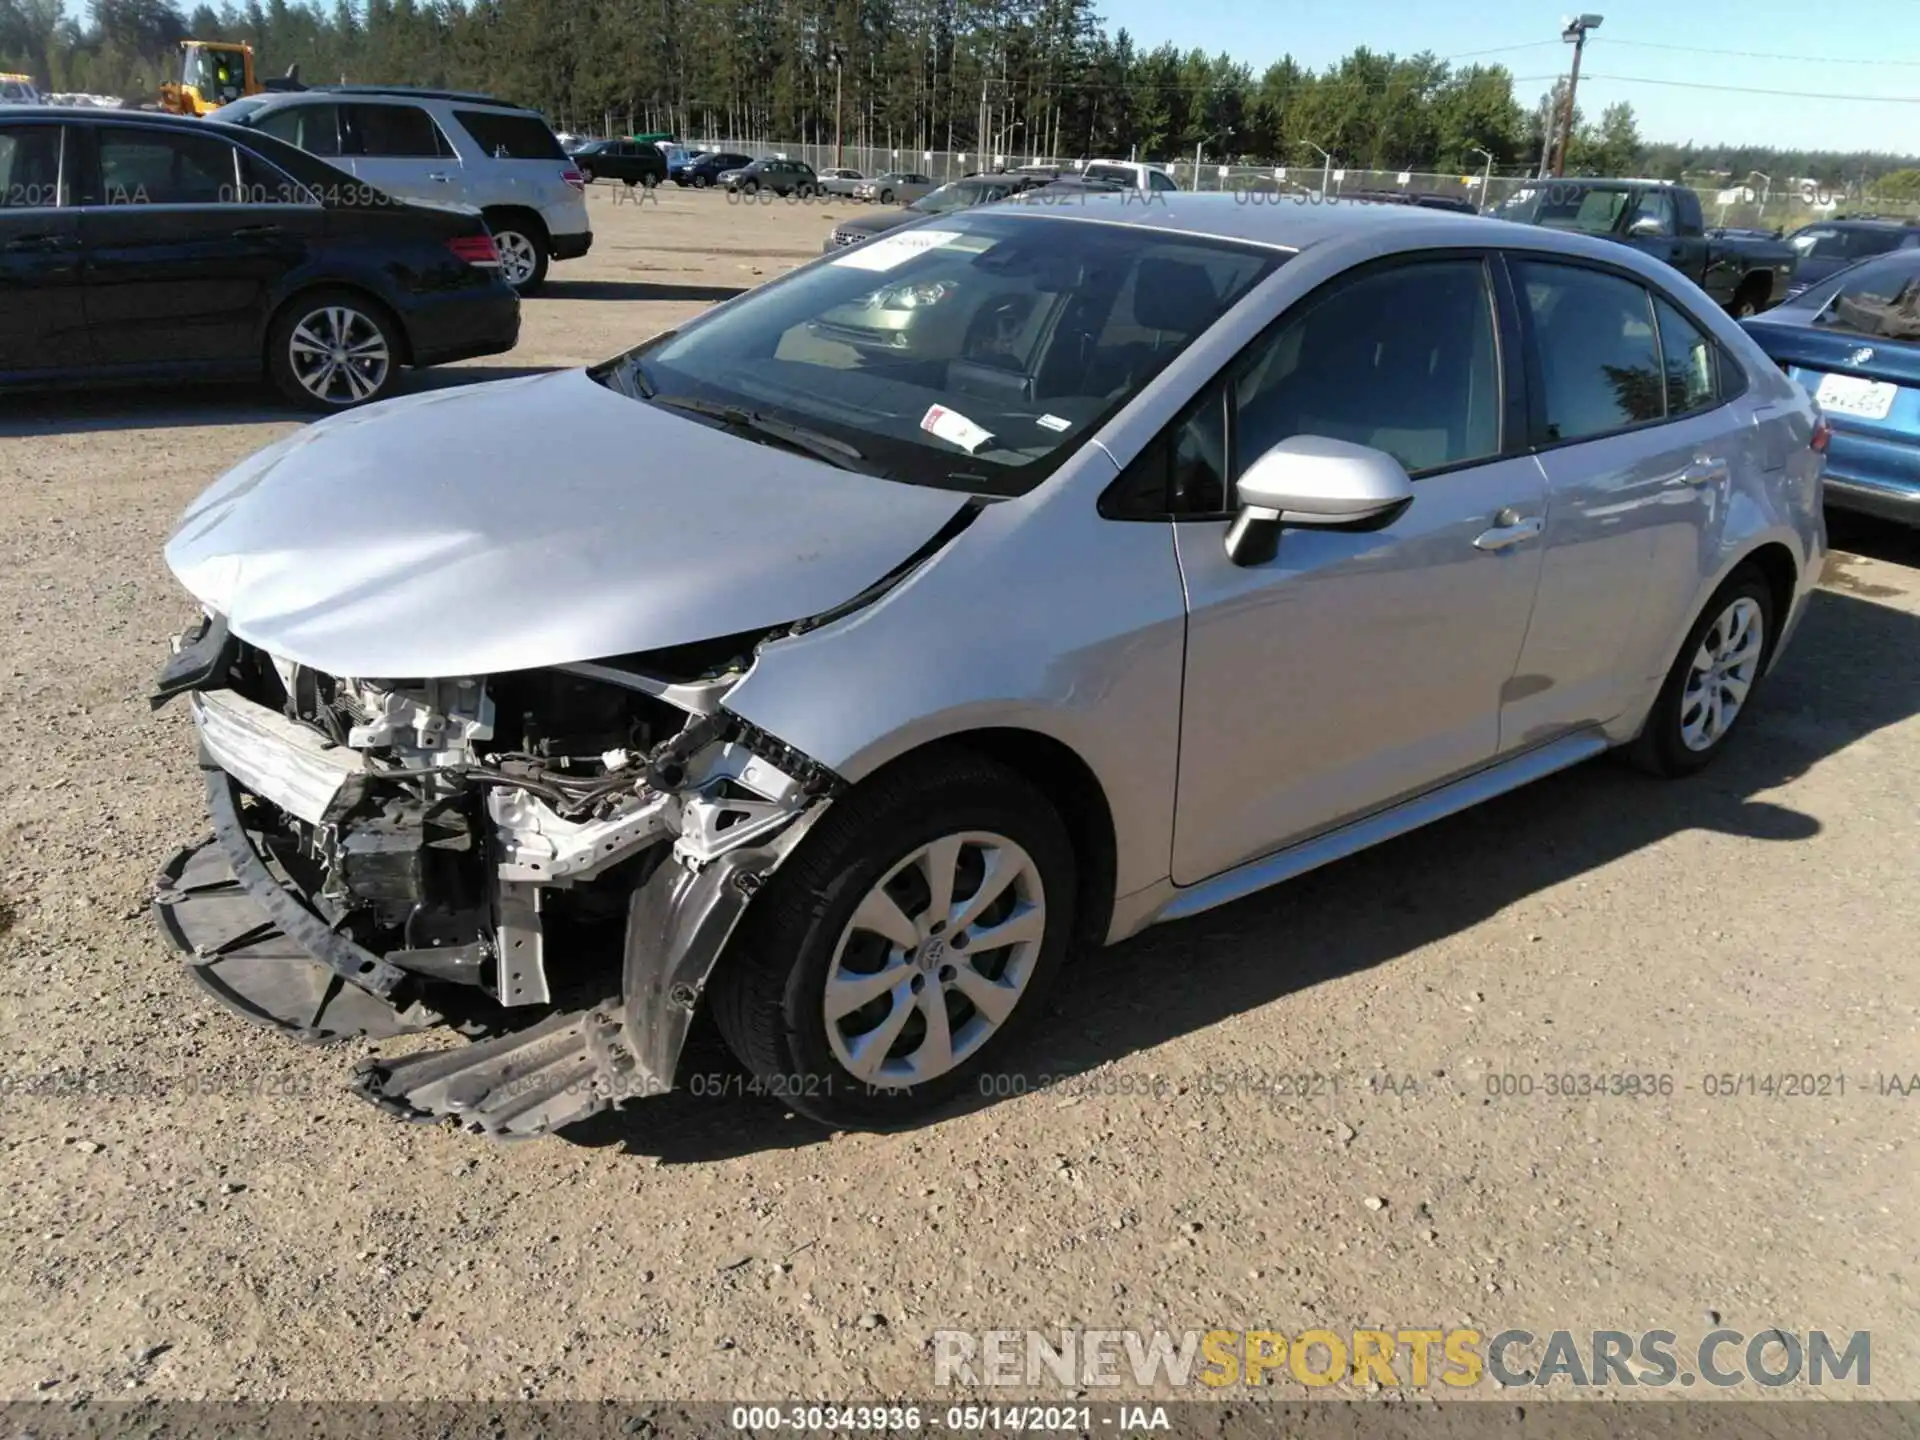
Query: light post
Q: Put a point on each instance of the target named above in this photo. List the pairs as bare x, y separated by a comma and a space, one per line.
1486, 178
836, 61
1575, 33
1326, 167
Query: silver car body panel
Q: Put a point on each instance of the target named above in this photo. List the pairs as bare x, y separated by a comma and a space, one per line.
532, 522
1103, 590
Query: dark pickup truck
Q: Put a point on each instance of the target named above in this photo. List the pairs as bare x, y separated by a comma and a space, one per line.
1745, 275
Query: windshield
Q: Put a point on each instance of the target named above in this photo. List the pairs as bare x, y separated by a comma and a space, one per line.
1562, 206
976, 354
215, 74
1880, 298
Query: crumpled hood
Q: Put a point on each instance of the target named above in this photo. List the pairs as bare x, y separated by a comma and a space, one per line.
530, 522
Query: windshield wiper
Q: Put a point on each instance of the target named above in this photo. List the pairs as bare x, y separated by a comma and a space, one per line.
794, 437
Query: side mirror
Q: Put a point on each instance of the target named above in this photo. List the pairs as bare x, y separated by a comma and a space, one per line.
1645, 226
1316, 483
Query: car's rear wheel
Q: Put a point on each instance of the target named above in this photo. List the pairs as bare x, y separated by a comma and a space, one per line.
1710, 687
523, 255
333, 350
905, 946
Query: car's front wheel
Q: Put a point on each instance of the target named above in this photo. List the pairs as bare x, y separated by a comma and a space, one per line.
332, 350
1710, 687
886, 197
905, 945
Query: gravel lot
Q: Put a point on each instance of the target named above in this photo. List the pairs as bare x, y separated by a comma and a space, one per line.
196, 1208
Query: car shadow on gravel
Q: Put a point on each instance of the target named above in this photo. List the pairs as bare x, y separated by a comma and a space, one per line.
88, 412
636, 290
1846, 676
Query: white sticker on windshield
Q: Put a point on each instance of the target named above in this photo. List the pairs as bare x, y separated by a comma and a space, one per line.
887, 251
1053, 422
955, 428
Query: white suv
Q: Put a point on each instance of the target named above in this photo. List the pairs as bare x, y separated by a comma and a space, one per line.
446, 147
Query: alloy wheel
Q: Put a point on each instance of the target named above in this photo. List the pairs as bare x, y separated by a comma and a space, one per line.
1723, 671
935, 959
518, 256
339, 355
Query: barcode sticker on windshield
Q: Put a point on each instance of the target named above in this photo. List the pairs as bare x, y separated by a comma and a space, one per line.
954, 428
887, 251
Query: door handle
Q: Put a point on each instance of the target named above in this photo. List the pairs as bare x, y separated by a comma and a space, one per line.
1705, 470
1510, 530
38, 244
254, 232
436, 175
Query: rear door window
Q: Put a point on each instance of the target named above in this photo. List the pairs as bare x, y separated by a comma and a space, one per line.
165, 167
29, 167
396, 132
1593, 334
518, 137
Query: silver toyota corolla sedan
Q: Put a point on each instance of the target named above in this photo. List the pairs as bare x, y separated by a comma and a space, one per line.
843, 661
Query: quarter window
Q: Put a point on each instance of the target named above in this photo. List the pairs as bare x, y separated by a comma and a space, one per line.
1599, 360
156, 167
508, 136
1403, 360
1689, 359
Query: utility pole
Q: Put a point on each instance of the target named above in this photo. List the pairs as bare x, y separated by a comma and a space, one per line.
1575, 32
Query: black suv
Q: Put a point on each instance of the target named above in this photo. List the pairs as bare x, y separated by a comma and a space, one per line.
138, 247
706, 169
636, 162
782, 177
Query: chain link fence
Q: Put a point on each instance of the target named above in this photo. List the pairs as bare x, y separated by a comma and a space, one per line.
1783, 207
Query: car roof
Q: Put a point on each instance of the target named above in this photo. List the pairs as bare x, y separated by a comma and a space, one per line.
1284, 223
100, 115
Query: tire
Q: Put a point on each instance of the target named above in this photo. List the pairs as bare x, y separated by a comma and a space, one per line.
886, 197
701, 182
1747, 301
322, 350
586, 176
868, 861
524, 256
1679, 739
752, 187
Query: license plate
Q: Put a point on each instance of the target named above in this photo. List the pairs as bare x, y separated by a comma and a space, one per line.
1851, 395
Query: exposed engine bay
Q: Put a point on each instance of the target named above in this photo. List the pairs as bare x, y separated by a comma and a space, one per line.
416, 844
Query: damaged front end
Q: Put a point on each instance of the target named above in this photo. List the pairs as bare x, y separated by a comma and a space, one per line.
549, 861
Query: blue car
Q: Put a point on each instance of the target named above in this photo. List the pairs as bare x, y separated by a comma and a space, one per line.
1853, 341
1828, 247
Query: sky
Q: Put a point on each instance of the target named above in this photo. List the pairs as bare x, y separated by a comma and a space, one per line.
1850, 85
